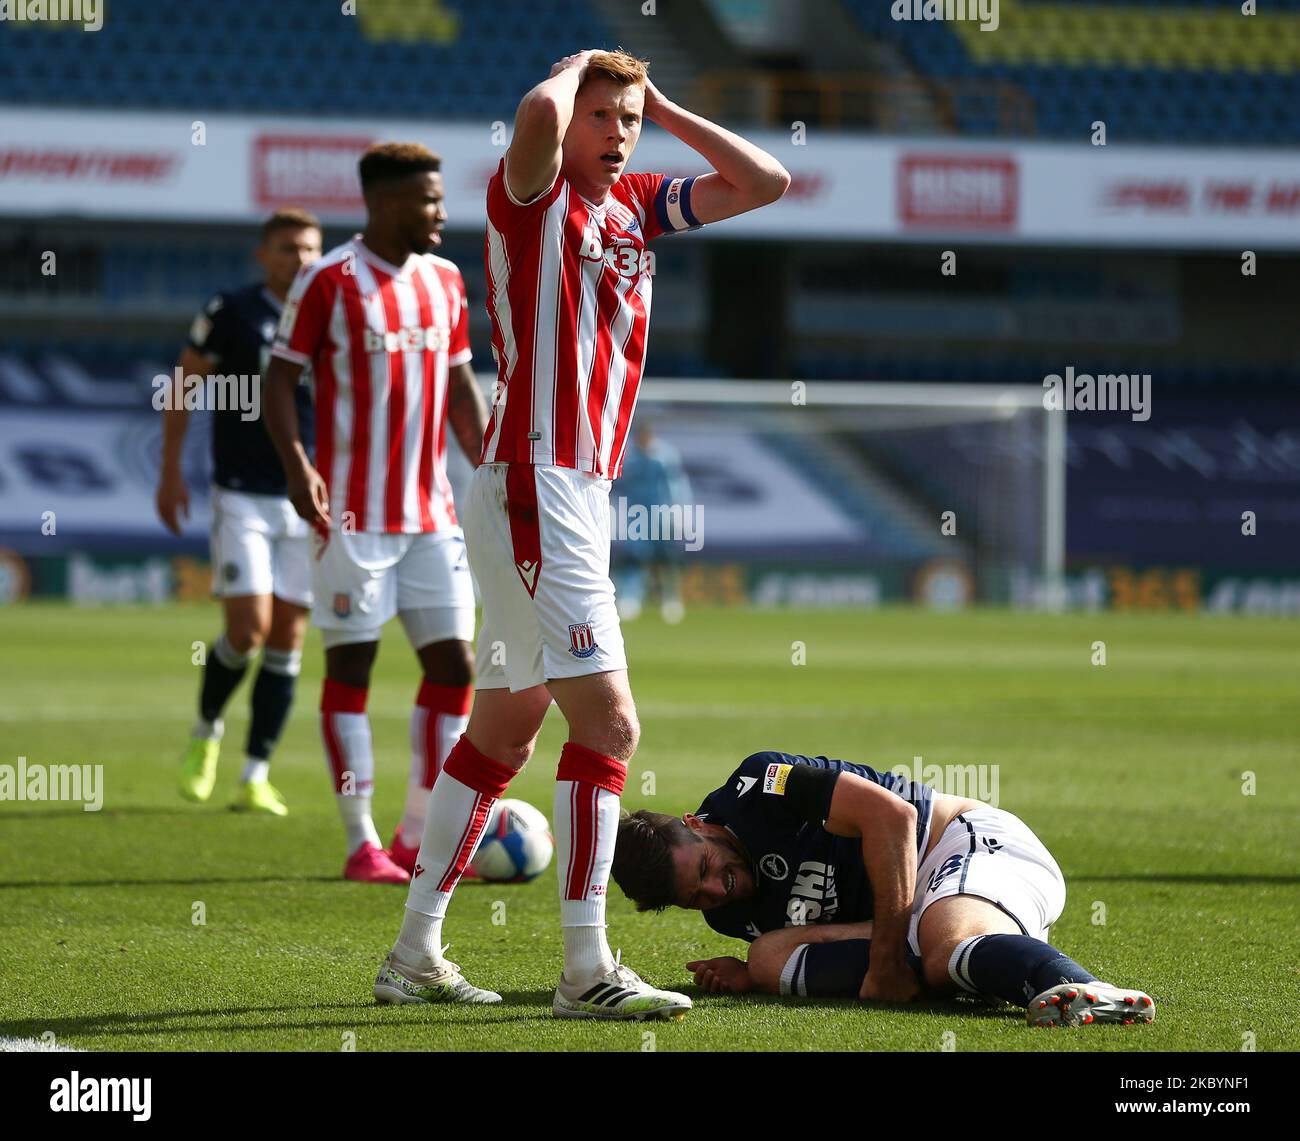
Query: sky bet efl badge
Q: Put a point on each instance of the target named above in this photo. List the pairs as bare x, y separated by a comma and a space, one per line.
774, 780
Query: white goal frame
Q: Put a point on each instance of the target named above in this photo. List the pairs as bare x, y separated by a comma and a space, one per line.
995, 398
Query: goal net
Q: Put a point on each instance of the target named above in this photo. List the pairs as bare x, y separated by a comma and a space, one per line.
858, 493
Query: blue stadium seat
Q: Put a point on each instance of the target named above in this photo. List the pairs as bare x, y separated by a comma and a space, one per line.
1147, 102
294, 56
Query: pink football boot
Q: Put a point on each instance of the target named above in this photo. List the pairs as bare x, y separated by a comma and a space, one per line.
369, 864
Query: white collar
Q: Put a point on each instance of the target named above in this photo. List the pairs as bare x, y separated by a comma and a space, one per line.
403, 270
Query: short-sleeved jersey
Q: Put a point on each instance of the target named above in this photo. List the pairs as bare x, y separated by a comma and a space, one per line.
235, 331
802, 873
381, 340
569, 292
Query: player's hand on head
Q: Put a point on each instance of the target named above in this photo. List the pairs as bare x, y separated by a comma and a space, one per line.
723, 975
654, 100
172, 501
577, 59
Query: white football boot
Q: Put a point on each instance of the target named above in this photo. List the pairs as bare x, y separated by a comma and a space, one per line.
618, 994
1078, 1004
397, 983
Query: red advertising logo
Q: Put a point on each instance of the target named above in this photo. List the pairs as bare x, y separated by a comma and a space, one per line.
51, 163
967, 192
313, 171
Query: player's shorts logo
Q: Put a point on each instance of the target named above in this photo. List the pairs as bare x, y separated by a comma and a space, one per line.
582, 642
230, 572
774, 866
943, 871
528, 570
342, 605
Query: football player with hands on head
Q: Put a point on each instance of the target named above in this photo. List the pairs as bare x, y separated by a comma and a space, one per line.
569, 295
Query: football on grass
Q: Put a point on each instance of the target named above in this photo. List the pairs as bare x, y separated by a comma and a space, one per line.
517, 844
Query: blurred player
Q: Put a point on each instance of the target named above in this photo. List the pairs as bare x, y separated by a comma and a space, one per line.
654, 479
260, 556
569, 296
850, 883
384, 325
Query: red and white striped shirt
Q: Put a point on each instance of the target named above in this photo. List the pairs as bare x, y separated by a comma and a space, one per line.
380, 340
569, 286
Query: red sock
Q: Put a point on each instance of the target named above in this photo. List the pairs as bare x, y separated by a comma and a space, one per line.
470, 784
345, 730
586, 821
437, 722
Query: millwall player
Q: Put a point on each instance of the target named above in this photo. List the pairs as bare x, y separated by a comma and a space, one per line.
260, 559
848, 882
569, 285
384, 325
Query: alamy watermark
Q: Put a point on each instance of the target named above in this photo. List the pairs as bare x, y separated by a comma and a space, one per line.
83, 783
983, 12
1105, 392
213, 393
979, 782
88, 13
75, 1094
669, 522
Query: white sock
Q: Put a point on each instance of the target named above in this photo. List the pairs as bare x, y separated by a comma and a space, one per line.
419, 944
255, 769
586, 827
452, 830
348, 751
433, 733
208, 730
357, 823
586, 951
227, 655
454, 826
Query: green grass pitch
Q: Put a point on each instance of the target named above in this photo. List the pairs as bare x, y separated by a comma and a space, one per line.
1131, 772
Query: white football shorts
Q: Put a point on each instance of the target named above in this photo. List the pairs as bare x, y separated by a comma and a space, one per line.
259, 545
538, 539
361, 580
994, 855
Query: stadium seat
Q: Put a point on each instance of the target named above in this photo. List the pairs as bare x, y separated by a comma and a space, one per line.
278, 50
1147, 70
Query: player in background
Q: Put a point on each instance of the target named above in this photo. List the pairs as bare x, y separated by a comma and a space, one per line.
260, 557
852, 883
654, 479
569, 296
384, 325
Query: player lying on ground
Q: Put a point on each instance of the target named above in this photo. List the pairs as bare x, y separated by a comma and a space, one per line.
260, 557
383, 323
815, 861
569, 291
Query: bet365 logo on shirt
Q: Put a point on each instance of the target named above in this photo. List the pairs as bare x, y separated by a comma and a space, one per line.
409, 339
623, 257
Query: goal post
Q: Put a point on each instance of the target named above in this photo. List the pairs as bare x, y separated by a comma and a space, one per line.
936, 476
857, 493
